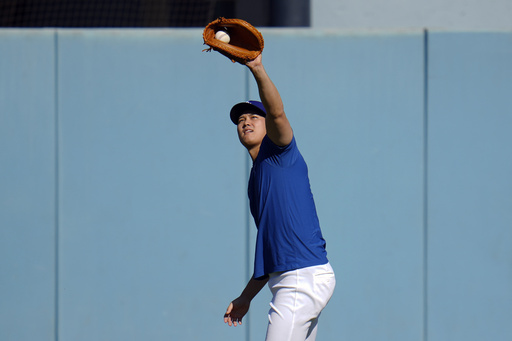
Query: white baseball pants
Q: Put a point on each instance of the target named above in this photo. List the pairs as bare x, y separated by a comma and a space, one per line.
299, 296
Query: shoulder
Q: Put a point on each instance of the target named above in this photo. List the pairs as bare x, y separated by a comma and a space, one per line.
268, 144
278, 155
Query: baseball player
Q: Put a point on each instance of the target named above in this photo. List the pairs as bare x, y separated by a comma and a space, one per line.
290, 253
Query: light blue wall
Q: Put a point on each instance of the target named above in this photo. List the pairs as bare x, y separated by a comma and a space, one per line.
123, 187
27, 185
470, 186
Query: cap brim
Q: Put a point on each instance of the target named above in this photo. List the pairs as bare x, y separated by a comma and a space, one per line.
244, 107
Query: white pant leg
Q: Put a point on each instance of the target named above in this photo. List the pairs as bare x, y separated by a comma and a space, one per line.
299, 296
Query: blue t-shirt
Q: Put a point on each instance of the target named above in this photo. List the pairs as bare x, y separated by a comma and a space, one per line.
289, 235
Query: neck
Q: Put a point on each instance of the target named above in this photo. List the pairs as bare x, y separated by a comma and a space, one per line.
253, 152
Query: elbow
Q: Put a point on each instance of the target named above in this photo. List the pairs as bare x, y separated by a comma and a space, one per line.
277, 112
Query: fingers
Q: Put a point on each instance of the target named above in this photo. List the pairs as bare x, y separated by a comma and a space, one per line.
227, 318
232, 321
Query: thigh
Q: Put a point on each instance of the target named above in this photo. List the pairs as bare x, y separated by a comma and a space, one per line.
299, 296
289, 316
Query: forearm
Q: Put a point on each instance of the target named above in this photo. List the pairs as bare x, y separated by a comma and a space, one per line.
278, 128
268, 92
253, 287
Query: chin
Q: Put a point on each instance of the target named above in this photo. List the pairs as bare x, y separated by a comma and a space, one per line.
249, 143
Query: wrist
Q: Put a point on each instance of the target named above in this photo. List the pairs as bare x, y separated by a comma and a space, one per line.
245, 298
255, 66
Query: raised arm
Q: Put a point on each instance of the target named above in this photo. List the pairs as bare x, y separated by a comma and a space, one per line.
279, 129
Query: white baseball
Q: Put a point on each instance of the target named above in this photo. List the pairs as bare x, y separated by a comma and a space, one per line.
222, 36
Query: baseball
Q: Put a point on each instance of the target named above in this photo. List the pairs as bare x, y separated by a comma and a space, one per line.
222, 36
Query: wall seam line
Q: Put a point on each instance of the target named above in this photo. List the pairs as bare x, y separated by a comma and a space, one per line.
425, 182
247, 169
56, 179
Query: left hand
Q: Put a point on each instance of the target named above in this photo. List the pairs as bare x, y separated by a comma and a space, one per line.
236, 311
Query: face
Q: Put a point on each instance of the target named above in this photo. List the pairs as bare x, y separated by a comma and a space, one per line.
251, 129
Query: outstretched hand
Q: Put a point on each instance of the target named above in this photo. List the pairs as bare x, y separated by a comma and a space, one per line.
236, 311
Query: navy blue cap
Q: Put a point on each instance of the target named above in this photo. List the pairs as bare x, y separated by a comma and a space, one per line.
254, 107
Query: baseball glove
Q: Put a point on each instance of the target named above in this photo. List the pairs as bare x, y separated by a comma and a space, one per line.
245, 44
